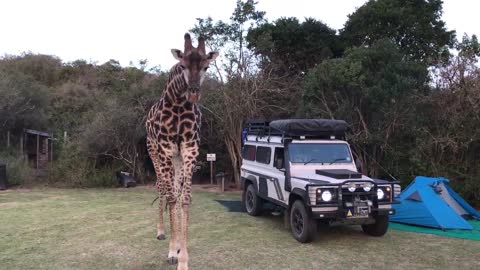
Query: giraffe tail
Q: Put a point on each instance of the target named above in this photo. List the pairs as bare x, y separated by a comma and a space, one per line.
154, 200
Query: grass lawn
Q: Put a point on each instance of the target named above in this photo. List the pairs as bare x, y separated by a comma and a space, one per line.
115, 229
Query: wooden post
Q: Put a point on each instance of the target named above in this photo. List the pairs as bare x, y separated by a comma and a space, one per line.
8, 139
38, 150
21, 145
64, 137
51, 150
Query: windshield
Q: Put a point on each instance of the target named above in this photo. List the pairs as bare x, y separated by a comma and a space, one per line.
319, 153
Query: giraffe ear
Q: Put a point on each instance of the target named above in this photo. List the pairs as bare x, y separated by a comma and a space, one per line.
212, 56
177, 54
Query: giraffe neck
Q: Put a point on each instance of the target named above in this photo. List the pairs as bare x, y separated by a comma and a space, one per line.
176, 87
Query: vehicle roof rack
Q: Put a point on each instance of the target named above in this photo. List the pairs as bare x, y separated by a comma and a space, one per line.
297, 128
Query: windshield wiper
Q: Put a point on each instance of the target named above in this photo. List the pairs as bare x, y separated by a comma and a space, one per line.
309, 161
338, 159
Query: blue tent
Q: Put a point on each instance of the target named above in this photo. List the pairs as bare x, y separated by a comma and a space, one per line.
431, 202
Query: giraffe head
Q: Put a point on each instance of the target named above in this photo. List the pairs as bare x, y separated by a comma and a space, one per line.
194, 63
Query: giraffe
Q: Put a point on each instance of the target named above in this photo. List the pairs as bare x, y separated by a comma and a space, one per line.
173, 137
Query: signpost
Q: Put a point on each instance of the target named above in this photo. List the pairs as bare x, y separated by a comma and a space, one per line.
211, 157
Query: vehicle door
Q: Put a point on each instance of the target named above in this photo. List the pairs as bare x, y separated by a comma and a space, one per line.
276, 176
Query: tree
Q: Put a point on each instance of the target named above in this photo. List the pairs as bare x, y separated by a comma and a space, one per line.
448, 136
23, 102
372, 89
415, 26
233, 100
291, 47
45, 69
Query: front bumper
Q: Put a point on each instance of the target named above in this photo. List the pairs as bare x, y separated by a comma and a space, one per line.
341, 214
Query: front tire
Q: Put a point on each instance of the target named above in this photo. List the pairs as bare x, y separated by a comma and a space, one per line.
379, 228
302, 225
251, 202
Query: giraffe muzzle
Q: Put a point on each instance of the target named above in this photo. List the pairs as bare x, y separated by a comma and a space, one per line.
194, 97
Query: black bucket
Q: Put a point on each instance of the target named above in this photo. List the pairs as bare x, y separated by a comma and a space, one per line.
3, 176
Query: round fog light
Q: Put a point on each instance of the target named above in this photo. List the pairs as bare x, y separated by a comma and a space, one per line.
326, 196
380, 194
351, 187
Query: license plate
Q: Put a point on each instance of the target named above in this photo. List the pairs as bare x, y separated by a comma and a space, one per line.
360, 212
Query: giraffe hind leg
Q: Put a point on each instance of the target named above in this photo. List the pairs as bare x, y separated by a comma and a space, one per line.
154, 156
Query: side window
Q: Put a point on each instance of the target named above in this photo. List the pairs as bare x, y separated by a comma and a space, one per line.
278, 161
249, 152
263, 154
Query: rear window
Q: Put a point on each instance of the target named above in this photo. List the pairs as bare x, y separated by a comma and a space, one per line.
249, 152
263, 154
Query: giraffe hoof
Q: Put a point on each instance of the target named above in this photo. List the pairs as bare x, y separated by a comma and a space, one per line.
161, 237
172, 260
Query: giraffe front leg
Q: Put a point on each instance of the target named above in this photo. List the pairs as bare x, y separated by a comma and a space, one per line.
183, 256
172, 210
160, 224
189, 155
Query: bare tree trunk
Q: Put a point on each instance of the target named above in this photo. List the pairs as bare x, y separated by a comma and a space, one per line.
235, 159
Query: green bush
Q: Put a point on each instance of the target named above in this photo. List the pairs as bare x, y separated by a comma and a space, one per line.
101, 177
73, 168
18, 171
69, 169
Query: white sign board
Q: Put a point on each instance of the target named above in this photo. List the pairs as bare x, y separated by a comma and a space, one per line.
211, 157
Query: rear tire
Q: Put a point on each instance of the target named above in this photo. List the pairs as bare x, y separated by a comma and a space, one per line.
302, 225
379, 228
251, 202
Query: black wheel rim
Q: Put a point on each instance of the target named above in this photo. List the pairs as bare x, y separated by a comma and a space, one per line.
249, 201
297, 222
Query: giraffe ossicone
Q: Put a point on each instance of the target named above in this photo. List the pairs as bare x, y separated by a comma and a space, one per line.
173, 138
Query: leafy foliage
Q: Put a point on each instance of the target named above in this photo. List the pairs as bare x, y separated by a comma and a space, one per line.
372, 89
415, 26
293, 47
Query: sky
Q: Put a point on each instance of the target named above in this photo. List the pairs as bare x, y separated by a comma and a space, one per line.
128, 31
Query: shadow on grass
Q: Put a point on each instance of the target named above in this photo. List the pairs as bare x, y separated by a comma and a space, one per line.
324, 232
234, 206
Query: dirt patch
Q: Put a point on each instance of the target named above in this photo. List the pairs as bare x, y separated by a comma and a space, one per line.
8, 204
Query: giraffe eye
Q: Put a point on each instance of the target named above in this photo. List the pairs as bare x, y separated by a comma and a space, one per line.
205, 68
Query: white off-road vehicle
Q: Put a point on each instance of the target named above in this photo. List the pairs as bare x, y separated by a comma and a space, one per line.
306, 168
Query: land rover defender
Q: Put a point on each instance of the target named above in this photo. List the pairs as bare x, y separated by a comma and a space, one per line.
306, 168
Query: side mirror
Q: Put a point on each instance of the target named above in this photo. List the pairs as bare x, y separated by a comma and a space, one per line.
279, 164
358, 164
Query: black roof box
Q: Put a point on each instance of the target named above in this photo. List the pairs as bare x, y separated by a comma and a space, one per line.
310, 127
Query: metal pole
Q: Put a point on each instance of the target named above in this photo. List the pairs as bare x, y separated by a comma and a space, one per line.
211, 172
223, 182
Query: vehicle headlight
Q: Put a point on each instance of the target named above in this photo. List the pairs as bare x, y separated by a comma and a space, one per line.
367, 187
352, 187
326, 196
380, 194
